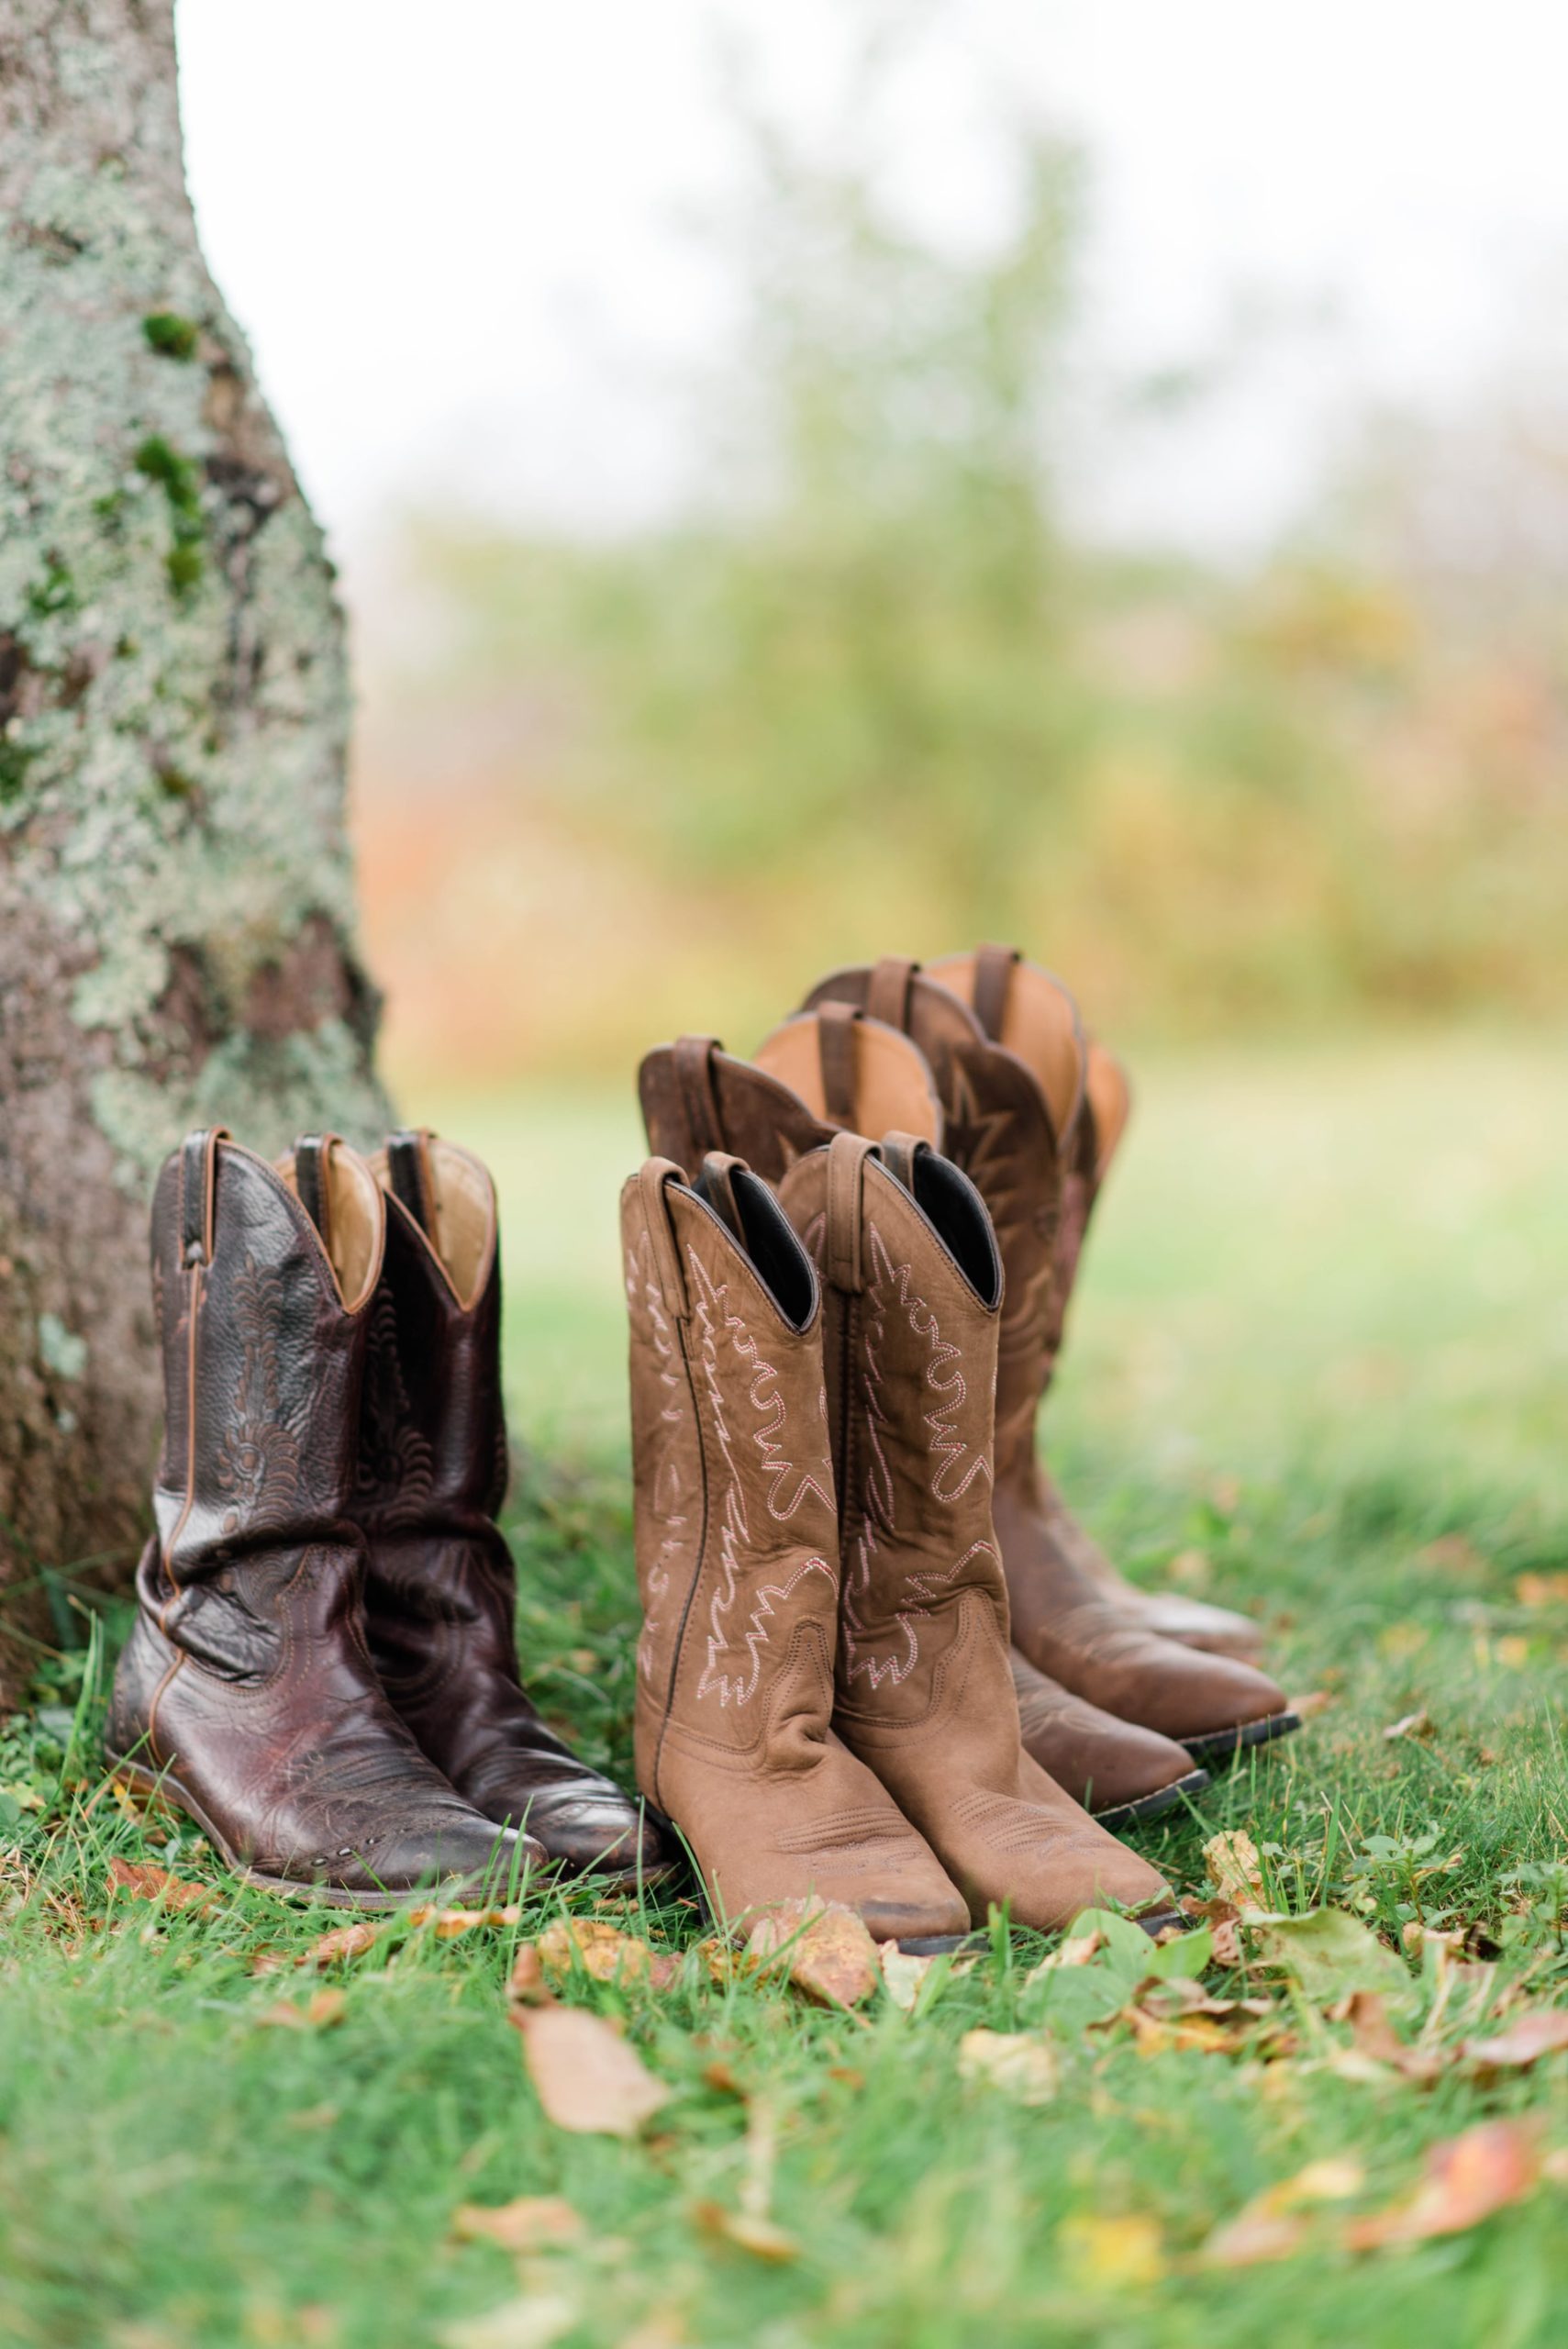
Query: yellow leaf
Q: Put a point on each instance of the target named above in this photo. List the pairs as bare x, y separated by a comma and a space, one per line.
1128, 2251
447, 1924
604, 1951
825, 1946
144, 1882
1235, 1867
902, 1976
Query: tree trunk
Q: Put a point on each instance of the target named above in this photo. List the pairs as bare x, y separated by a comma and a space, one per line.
176, 898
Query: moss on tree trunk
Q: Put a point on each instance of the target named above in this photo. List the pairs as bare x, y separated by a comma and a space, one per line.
176, 896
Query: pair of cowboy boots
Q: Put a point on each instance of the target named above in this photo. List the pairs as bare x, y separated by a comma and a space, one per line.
323, 1670
824, 1702
1125, 1694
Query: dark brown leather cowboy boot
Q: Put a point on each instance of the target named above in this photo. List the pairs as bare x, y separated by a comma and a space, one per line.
246, 1694
830, 1071
1003, 1116
738, 1567
441, 1593
1014, 1002
913, 1293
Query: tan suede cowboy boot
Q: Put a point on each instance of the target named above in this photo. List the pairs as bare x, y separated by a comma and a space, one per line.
246, 1696
440, 1592
1003, 1116
913, 1290
738, 1568
832, 1071
1015, 1003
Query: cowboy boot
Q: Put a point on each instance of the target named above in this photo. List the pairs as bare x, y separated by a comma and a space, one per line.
1003, 1116
440, 1591
830, 1071
246, 1696
737, 1564
913, 1295
1013, 1002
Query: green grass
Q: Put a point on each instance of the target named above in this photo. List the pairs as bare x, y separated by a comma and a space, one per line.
1319, 1360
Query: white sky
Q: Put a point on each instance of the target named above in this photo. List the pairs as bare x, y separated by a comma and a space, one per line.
452, 230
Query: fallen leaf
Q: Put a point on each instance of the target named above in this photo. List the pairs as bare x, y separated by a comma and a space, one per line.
902, 1976
1235, 1868
1191, 1569
1541, 1590
530, 2324
321, 2010
827, 1951
1103, 2250
1014, 2060
448, 1924
604, 1951
760, 2236
1417, 1724
336, 1948
1543, 2030
1366, 2011
1329, 1953
533, 2223
1076, 1950
141, 1881
1513, 1653
526, 1985
1452, 1554
1466, 2178
1311, 1702
1271, 2226
585, 2076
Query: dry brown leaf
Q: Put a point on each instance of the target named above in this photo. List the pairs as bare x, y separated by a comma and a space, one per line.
1366, 2011
826, 1947
1541, 1590
142, 1881
345, 1942
319, 2011
1271, 2226
1077, 1950
1466, 2178
526, 1985
533, 2223
1417, 1724
1018, 2061
902, 1976
1542, 2031
604, 1951
761, 2236
1235, 1868
1310, 1703
448, 1924
585, 2076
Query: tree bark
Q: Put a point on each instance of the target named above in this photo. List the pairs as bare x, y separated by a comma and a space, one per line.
176, 896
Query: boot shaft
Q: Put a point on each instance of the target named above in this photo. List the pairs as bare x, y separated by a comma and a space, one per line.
912, 1284
433, 1449
737, 1553
818, 1074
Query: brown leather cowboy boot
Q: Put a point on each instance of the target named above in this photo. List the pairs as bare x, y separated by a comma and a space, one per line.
1003, 1116
1015, 1003
912, 1290
441, 1593
246, 1694
831, 1071
738, 1567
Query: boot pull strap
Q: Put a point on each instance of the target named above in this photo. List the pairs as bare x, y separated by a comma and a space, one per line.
847, 1155
198, 1193
408, 1172
836, 1024
899, 1153
653, 1182
716, 1184
312, 1162
887, 991
993, 968
693, 1060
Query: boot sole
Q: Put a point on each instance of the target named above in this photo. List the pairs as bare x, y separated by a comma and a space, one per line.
1223, 1746
168, 1791
1154, 1806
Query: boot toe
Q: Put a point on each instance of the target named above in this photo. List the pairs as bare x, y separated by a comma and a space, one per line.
584, 1828
455, 1850
936, 1916
1194, 1623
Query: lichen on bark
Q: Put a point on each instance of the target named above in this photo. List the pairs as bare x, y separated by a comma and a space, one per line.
176, 893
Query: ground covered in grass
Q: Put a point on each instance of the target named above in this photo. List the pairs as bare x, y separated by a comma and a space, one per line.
1319, 1371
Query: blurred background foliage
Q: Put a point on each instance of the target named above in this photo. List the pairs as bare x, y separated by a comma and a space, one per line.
873, 689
